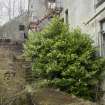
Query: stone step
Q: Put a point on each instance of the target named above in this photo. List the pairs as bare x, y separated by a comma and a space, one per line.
4, 63
12, 62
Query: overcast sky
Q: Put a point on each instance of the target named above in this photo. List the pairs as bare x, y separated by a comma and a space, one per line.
5, 4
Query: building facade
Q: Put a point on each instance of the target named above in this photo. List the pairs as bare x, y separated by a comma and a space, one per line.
14, 29
89, 15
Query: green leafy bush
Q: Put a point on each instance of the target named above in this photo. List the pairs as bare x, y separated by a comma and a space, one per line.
65, 59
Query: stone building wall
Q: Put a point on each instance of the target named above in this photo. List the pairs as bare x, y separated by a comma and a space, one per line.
89, 17
79, 11
83, 13
15, 71
11, 29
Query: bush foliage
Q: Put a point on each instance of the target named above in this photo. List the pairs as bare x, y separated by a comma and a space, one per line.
65, 59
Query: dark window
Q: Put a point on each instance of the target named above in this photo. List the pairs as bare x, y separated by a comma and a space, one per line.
102, 22
66, 16
31, 6
51, 1
99, 2
103, 38
21, 27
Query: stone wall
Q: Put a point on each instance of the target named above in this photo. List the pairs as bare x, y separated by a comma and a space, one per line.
8, 51
79, 14
13, 71
11, 29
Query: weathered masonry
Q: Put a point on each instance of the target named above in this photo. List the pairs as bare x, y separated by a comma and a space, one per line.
15, 29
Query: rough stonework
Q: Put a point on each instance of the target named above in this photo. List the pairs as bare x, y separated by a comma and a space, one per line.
54, 97
12, 71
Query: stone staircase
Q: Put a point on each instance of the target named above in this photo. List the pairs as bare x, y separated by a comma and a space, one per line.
15, 71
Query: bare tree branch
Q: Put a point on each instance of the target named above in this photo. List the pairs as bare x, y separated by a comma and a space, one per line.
12, 8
